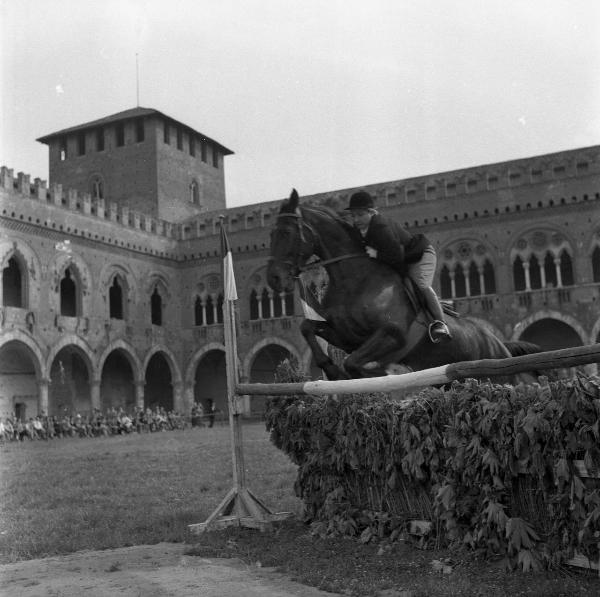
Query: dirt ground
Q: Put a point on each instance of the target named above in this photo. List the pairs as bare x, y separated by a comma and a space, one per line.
160, 570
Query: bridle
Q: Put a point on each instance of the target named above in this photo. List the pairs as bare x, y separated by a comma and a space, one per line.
301, 226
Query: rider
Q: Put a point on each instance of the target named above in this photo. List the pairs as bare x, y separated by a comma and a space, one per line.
409, 254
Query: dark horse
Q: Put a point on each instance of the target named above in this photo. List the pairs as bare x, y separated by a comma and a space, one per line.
367, 310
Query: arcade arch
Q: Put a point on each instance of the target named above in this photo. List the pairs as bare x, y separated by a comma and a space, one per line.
553, 331
162, 379
21, 371
118, 381
210, 380
261, 364
69, 389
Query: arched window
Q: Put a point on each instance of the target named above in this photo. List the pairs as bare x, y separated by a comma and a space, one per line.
474, 281
596, 264
198, 314
210, 311
489, 278
459, 281
535, 276
97, 187
550, 270
194, 193
253, 305
566, 268
518, 274
289, 303
445, 283
12, 285
220, 302
68, 295
115, 300
156, 307
277, 305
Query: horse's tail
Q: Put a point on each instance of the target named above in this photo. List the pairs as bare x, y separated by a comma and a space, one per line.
520, 347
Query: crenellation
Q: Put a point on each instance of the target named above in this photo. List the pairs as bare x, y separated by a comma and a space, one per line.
56, 193
24, 184
6, 178
125, 216
136, 220
72, 199
87, 204
40, 189
113, 209
100, 208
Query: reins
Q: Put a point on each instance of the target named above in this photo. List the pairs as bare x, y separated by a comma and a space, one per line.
321, 262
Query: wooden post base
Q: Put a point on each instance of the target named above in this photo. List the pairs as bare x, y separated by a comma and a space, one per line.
240, 507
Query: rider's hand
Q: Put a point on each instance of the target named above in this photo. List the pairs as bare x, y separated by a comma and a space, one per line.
371, 252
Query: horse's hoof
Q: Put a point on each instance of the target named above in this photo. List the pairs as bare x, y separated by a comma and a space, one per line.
371, 365
397, 369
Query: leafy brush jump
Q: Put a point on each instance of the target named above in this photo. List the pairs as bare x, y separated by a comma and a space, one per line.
493, 467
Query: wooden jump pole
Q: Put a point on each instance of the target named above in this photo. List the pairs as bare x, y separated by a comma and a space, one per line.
240, 507
566, 357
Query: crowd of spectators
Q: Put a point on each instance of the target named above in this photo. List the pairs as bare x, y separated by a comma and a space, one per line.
98, 424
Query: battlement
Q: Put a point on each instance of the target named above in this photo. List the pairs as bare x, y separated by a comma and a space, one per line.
492, 178
482, 180
84, 204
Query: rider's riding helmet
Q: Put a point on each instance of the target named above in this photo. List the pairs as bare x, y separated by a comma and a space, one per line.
361, 200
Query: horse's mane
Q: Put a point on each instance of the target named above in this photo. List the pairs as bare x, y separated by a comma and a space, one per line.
337, 218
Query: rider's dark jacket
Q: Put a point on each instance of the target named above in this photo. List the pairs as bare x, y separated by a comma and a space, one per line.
395, 245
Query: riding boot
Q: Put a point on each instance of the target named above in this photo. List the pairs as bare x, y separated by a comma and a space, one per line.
438, 330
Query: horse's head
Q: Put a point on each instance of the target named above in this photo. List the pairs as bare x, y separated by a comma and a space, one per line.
292, 243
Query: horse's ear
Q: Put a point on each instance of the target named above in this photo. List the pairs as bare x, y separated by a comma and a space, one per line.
294, 199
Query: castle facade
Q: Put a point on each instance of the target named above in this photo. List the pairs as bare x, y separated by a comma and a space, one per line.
112, 292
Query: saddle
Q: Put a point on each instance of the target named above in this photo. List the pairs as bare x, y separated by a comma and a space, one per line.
419, 304
420, 325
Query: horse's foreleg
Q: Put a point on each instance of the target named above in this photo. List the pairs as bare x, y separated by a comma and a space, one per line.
371, 358
310, 330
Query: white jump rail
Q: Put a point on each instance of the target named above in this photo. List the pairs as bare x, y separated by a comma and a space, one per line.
540, 361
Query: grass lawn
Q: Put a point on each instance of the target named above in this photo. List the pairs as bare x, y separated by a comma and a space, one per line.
66, 495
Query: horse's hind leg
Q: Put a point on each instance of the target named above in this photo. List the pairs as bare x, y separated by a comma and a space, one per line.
376, 353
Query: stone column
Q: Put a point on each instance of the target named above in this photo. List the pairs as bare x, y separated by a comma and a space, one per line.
95, 394
559, 282
188, 398
139, 393
527, 277
453, 284
178, 397
43, 386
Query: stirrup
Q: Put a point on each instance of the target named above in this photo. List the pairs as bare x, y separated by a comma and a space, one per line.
445, 334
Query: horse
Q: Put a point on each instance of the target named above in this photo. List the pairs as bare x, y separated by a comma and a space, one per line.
367, 310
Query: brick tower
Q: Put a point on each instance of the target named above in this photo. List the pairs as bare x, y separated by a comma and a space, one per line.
142, 160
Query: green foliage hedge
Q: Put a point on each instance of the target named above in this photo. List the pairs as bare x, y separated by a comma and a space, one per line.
491, 466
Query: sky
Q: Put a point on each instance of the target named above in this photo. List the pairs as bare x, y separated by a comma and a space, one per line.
317, 95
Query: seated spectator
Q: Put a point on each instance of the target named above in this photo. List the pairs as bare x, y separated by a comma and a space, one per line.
38, 428
197, 415
126, 424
